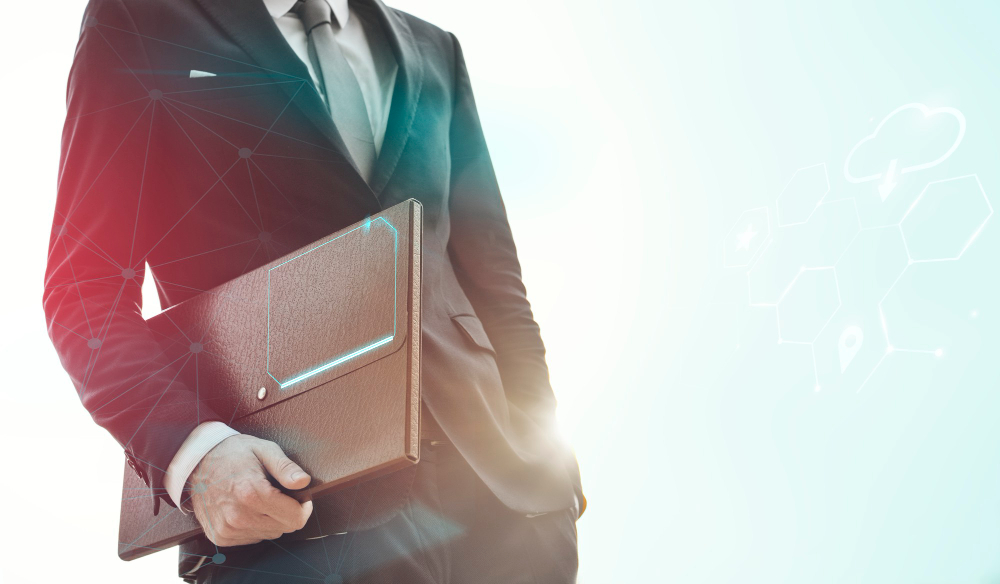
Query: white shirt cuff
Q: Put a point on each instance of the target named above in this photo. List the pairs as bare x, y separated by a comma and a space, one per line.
202, 439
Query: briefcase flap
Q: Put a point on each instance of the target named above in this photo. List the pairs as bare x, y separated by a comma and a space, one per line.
330, 317
298, 322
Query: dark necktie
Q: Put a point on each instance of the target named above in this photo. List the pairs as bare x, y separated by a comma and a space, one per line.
337, 80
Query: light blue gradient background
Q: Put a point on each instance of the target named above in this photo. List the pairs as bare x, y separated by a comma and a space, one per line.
709, 464
628, 138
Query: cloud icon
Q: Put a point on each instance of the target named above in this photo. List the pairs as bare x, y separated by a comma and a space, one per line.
898, 159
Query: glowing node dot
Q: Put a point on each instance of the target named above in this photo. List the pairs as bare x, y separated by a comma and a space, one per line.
196, 347
94, 343
939, 352
909, 261
817, 387
245, 152
128, 273
974, 314
333, 579
155, 94
218, 558
91, 21
889, 349
199, 487
265, 236
59, 230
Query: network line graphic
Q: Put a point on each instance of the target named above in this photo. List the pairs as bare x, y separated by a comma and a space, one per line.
363, 229
189, 162
797, 268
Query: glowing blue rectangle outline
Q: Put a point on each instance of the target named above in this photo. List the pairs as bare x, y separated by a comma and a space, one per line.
366, 226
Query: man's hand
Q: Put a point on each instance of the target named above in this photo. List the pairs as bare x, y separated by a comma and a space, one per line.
233, 499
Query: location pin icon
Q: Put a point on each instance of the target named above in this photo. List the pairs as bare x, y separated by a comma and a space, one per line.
850, 344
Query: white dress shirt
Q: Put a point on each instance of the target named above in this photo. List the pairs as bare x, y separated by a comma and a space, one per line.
368, 53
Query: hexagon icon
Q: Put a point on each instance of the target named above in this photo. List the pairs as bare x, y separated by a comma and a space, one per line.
803, 193
946, 218
874, 260
746, 238
808, 305
928, 309
820, 242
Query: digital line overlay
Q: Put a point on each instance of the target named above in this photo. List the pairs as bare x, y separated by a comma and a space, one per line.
341, 359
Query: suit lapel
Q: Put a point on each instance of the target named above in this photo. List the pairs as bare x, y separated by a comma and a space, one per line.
405, 95
252, 28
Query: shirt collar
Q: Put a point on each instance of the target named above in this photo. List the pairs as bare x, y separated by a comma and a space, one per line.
279, 8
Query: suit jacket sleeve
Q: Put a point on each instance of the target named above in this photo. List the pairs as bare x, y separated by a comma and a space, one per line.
482, 250
97, 250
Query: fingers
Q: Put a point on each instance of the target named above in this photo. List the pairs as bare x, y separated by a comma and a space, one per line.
261, 509
295, 520
283, 509
245, 527
241, 506
289, 474
241, 525
235, 542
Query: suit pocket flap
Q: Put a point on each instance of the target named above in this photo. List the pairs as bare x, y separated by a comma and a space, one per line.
473, 329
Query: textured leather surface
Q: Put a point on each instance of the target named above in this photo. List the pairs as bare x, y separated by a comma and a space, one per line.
349, 283
325, 306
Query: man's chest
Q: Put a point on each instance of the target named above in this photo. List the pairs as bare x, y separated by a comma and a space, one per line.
237, 172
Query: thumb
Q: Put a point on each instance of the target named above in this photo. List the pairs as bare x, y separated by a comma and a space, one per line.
279, 466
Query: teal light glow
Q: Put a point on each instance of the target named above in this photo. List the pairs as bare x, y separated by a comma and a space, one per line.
365, 229
335, 362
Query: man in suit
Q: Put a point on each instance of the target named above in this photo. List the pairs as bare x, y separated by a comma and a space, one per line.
205, 138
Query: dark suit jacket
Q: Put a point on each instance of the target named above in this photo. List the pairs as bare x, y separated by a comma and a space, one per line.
206, 178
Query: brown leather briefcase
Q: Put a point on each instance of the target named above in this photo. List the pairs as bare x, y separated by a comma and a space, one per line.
318, 351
